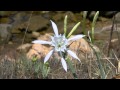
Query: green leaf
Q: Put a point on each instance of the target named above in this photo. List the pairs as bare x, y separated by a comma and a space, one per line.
83, 22
37, 67
44, 69
95, 18
85, 14
34, 58
93, 26
73, 30
71, 68
65, 25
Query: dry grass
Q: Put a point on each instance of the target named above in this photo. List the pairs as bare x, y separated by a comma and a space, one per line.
22, 68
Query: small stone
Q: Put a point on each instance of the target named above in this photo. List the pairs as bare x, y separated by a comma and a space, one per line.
24, 47
10, 42
45, 37
35, 34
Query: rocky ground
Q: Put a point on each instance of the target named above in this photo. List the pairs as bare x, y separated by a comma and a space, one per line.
13, 25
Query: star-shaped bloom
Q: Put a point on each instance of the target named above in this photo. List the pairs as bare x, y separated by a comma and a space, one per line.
60, 44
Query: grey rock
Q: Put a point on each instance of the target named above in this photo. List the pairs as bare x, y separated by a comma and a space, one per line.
110, 13
104, 33
5, 33
117, 18
35, 34
36, 23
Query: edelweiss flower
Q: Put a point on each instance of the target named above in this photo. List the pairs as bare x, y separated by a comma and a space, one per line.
60, 43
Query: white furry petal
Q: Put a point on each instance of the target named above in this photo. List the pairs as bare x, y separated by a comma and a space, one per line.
41, 42
48, 56
75, 37
64, 64
73, 54
55, 29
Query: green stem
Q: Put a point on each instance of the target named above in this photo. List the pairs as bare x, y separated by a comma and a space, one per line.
84, 20
65, 25
102, 72
93, 25
72, 69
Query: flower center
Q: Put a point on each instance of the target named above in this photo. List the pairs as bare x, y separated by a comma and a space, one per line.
59, 43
